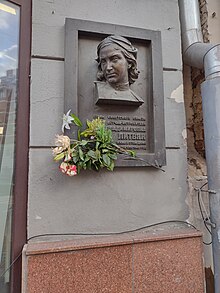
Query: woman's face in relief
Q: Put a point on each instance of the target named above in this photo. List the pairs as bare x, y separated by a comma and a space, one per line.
114, 65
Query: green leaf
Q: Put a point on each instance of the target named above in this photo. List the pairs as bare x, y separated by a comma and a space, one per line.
79, 134
131, 153
77, 121
94, 166
85, 133
80, 164
88, 123
106, 160
105, 150
84, 142
87, 158
89, 164
92, 154
59, 157
75, 159
112, 165
112, 156
81, 154
97, 152
84, 166
78, 169
74, 153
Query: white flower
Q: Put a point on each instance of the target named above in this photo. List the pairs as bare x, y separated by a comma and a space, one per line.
62, 141
57, 151
67, 120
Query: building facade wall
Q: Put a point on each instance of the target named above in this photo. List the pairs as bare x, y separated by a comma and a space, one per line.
213, 7
197, 173
128, 197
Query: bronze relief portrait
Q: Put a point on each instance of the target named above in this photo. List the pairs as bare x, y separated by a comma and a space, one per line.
117, 70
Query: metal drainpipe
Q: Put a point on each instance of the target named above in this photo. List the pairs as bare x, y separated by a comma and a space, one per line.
198, 54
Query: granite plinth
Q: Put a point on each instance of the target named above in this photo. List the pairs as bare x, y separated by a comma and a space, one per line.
153, 261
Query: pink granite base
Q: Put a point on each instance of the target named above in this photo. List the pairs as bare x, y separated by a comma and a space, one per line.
145, 262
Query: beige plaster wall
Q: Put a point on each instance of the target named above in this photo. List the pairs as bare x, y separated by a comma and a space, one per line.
102, 202
213, 7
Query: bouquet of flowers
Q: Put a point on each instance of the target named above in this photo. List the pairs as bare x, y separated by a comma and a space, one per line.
94, 149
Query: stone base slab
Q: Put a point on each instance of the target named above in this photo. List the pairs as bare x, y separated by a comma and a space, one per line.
155, 261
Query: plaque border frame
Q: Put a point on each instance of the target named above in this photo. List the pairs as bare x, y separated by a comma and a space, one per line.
73, 27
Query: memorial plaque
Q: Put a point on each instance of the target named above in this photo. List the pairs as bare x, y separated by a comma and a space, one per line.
115, 73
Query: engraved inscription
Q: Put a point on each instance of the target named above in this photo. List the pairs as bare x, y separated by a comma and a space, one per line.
129, 132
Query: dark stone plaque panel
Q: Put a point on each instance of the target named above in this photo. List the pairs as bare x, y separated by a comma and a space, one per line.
136, 126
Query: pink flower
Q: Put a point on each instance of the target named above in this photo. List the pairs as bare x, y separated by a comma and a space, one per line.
67, 169
72, 171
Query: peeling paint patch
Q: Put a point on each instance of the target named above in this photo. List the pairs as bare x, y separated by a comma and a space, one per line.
218, 233
184, 133
38, 217
177, 94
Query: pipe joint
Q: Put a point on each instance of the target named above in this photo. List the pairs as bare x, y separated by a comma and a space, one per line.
212, 62
194, 55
